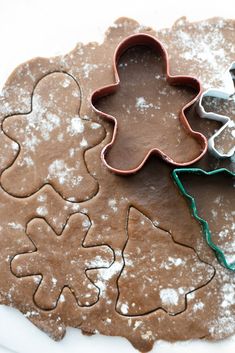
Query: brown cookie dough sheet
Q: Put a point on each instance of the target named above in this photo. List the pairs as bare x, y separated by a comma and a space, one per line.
146, 211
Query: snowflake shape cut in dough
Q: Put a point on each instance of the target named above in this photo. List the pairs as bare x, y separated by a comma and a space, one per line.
62, 261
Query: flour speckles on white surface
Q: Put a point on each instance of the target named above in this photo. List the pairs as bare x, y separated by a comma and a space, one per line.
124, 308
87, 69
42, 197
76, 126
83, 143
141, 104
147, 335
198, 306
65, 83
16, 226
41, 120
59, 170
207, 49
172, 262
60, 137
31, 313
86, 223
26, 161
95, 126
62, 298
98, 262
54, 281
228, 295
113, 204
42, 211
169, 296
112, 271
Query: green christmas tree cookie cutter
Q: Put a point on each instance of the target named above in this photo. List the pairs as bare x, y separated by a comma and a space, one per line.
192, 203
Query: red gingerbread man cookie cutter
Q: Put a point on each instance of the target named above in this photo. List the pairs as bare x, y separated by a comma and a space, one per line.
188, 81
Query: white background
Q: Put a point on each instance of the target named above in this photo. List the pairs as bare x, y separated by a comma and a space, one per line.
31, 28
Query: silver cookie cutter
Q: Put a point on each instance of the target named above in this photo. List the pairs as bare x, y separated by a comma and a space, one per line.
225, 120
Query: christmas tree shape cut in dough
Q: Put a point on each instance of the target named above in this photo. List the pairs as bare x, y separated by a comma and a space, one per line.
158, 272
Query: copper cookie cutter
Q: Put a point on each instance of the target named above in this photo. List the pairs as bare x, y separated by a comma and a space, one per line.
152, 42
225, 120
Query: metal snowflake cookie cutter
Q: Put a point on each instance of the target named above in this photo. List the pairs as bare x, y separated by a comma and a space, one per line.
192, 204
189, 81
225, 120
